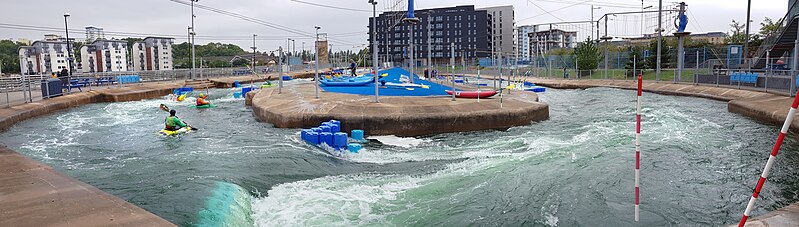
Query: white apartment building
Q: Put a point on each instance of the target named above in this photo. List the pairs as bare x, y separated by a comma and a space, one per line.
543, 41
94, 33
502, 25
43, 57
523, 42
154, 53
104, 56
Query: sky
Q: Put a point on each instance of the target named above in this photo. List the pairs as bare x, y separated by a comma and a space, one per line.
347, 29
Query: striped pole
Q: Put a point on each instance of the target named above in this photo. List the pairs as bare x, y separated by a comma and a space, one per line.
771, 159
638, 144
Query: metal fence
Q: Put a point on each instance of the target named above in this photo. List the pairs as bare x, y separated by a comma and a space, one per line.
21, 89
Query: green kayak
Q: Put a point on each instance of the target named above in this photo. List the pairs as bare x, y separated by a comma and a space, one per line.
203, 106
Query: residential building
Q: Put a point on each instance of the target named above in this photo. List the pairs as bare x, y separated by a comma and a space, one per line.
546, 40
467, 28
154, 53
523, 42
104, 56
43, 57
94, 33
502, 24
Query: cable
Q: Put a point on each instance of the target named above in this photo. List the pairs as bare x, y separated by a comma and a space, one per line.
550, 12
332, 7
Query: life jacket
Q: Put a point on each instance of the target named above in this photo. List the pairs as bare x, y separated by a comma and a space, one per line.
170, 124
201, 101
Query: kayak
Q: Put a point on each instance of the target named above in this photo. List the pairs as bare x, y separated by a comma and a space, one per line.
345, 83
203, 106
472, 94
175, 132
268, 85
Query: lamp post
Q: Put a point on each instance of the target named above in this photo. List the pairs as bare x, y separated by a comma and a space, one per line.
374, 47
69, 50
316, 62
288, 63
193, 56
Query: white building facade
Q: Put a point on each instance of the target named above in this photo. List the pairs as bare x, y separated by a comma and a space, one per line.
542, 42
43, 57
502, 25
154, 53
104, 56
523, 42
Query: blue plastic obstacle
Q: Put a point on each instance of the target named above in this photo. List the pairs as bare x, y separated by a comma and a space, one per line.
392, 76
328, 137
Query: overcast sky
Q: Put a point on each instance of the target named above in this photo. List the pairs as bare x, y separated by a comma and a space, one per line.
165, 17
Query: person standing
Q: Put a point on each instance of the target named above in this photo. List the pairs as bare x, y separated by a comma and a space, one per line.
353, 66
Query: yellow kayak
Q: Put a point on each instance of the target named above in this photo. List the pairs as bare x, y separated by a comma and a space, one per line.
175, 132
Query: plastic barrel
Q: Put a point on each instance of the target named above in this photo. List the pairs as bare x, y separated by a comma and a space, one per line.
286, 78
325, 128
334, 128
335, 122
354, 148
357, 134
304, 134
326, 137
317, 130
326, 124
313, 137
339, 140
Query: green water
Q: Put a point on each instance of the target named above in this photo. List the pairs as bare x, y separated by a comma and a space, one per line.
699, 163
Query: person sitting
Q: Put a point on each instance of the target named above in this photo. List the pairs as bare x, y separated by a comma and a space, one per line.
172, 122
201, 100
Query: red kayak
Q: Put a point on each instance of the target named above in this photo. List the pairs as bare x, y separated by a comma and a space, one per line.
472, 94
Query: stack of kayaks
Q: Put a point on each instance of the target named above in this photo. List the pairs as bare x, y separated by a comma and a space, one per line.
328, 137
348, 81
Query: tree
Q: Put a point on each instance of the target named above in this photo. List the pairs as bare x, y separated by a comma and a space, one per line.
639, 64
738, 35
769, 27
588, 56
665, 53
9, 56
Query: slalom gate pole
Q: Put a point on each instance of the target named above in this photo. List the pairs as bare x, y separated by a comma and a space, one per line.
771, 159
638, 145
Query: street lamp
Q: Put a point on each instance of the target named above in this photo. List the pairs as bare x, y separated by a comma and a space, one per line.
69, 50
192, 38
316, 60
374, 47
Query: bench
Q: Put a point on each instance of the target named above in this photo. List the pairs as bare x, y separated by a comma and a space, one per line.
74, 84
744, 78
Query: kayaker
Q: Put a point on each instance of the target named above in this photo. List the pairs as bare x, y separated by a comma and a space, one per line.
173, 123
201, 100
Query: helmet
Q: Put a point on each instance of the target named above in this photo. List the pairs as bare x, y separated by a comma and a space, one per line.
203, 95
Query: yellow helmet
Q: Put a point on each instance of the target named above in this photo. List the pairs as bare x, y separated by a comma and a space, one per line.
203, 95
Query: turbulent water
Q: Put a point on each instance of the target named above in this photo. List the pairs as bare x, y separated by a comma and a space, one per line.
699, 163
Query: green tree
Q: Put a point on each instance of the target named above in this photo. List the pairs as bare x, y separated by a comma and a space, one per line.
769, 27
665, 54
588, 55
738, 35
9, 56
639, 63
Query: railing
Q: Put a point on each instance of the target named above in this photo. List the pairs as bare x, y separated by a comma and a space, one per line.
771, 40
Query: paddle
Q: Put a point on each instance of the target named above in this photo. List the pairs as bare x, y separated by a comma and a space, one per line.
166, 108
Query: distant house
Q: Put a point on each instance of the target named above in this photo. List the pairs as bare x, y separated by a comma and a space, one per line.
543, 41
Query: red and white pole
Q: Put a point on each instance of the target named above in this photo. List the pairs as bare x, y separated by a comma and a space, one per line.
638, 145
771, 159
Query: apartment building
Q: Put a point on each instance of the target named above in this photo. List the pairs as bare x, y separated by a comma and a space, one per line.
154, 53
43, 57
546, 40
502, 25
523, 42
104, 56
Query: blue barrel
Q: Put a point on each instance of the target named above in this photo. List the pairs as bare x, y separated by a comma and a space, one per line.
357, 134
340, 140
325, 128
317, 130
354, 148
334, 128
326, 137
286, 78
326, 124
335, 122
236, 84
313, 137
244, 90
304, 134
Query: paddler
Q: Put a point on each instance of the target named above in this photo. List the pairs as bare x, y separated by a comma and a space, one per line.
201, 100
173, 123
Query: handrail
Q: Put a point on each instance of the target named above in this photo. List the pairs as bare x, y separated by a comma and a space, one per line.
770, 41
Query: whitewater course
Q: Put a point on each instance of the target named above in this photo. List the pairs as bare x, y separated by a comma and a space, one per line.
564, 157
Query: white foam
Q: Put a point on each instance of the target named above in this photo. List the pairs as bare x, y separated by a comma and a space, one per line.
405, 142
